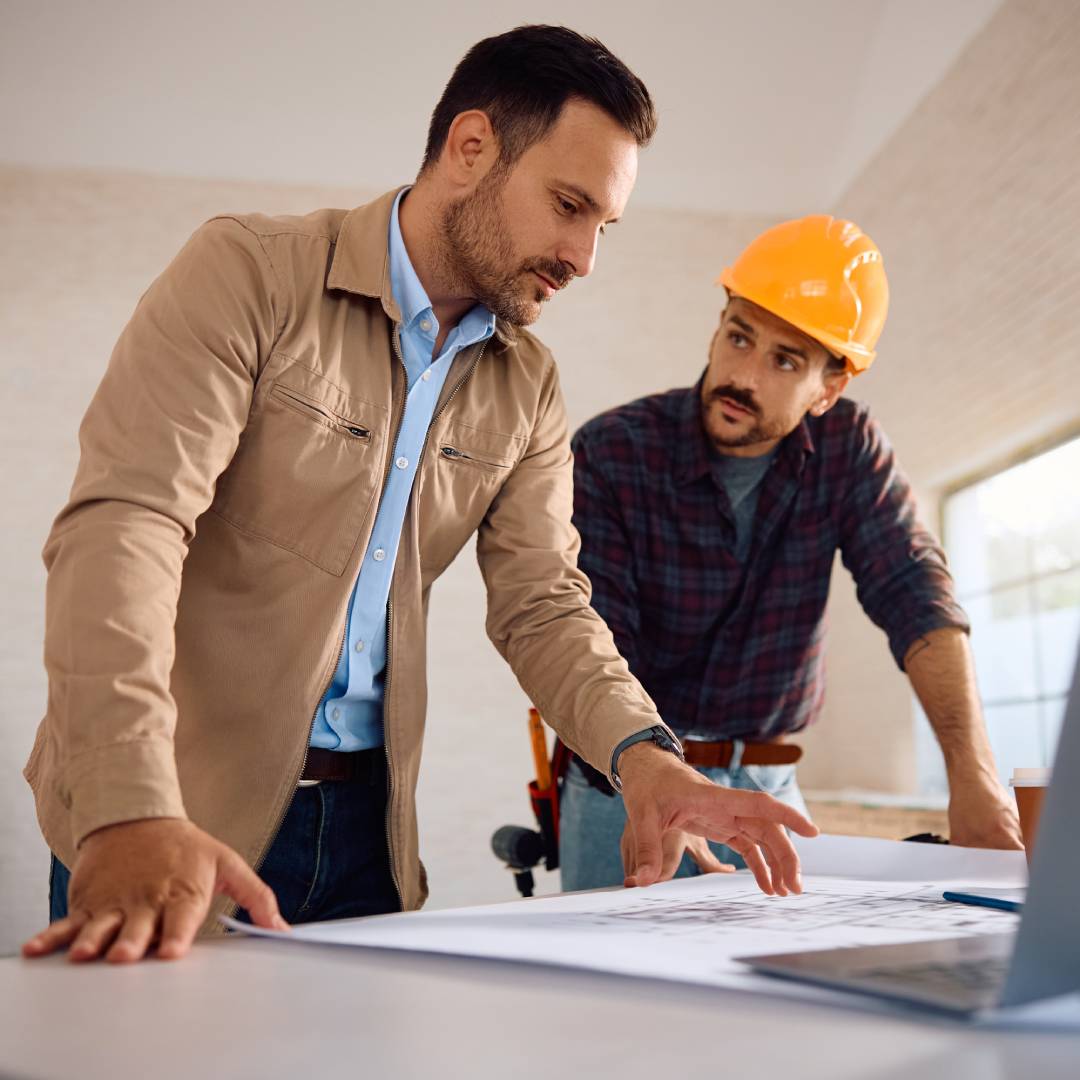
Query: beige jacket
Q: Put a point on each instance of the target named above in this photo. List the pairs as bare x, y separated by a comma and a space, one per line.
232, 461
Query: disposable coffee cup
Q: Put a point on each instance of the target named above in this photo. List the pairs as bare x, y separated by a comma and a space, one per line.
1029, 787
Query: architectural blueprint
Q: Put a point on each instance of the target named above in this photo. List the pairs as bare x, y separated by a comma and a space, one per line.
690, 930
856, 891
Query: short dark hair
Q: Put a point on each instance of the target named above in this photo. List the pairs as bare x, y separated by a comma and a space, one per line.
522, 79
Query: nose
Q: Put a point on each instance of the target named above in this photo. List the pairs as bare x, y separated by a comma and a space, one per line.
742, 368
578, 250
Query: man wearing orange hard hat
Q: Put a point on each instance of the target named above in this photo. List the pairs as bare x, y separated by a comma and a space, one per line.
710, 518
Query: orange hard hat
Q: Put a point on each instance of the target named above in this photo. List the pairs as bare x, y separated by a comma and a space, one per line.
823, 275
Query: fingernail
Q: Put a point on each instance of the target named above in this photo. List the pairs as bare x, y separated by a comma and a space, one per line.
280, 923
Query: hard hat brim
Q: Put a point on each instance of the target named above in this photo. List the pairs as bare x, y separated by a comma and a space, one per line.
857, 357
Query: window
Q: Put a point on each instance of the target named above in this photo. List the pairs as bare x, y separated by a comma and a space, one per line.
1013, 541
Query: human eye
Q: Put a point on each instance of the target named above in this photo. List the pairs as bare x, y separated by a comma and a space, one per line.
566, 206
737, 339
786, 363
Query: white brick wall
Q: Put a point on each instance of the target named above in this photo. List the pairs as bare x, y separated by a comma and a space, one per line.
975, 203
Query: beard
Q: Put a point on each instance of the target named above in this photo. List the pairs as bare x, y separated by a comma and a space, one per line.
477, 257
721, 430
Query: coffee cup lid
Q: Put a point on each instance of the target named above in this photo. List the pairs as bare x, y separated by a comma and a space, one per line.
1030, 777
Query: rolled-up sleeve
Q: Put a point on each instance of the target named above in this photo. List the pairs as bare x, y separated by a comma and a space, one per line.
900, 571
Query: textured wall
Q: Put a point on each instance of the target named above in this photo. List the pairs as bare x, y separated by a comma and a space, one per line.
975, 203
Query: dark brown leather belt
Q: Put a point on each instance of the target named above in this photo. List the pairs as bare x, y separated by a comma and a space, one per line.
717, 755
358, 765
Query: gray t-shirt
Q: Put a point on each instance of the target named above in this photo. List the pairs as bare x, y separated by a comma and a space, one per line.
741, 477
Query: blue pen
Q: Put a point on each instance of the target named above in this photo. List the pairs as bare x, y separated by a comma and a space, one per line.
990, 900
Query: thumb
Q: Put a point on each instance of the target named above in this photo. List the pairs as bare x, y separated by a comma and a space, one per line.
239, 882
647, 850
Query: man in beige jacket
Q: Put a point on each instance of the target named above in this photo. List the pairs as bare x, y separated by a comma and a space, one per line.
303, 423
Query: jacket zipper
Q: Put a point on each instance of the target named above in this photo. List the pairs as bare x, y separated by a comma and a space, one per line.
389, 644
390, 607
455, 454
303, 761
341, 422
396, 341
329, 682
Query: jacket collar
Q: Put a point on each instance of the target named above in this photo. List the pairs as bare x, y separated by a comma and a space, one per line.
694, 452
361, 262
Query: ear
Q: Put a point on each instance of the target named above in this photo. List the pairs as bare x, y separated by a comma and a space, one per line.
833, 385
470, 151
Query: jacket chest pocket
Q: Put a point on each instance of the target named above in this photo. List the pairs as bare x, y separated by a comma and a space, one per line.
306, 472
464, 469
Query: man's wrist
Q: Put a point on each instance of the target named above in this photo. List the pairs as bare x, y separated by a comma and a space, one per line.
967, 766
655, 736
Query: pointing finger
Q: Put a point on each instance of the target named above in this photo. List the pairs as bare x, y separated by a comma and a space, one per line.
754, 862
783, 858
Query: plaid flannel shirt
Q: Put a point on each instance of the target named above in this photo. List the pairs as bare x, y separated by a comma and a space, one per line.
737, 651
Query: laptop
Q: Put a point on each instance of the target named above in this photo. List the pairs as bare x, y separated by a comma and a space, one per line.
972, 974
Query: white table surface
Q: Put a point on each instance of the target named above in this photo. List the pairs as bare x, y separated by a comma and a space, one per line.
248, 1008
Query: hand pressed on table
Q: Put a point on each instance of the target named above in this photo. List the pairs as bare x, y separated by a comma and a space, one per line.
141, 882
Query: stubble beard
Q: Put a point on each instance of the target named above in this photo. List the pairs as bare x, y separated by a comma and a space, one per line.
476, 248
719, 429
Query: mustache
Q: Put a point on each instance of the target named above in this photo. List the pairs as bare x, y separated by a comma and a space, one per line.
557, 272
739, 396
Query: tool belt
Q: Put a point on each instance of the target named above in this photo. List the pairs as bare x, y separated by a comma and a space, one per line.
713, 755
363, 766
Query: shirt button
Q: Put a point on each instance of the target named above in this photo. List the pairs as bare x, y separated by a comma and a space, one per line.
425, 324
402, 463
379, 555
335, 714
426, 376
359, 646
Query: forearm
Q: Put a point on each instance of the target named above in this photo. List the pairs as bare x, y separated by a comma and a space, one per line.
942, 673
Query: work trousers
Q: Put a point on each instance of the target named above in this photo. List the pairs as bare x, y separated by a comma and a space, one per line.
591, 823
329, 859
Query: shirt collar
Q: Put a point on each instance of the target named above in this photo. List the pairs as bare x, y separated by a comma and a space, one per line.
693, 451
692, 444
478, 322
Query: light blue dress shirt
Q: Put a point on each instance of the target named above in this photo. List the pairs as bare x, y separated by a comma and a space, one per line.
350, 715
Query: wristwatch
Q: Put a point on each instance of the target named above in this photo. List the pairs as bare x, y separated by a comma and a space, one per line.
657, 735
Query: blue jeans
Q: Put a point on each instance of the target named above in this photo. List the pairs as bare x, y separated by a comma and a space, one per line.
591, 823
328, 861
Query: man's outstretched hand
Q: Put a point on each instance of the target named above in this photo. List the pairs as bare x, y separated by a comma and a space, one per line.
144, 881
663, 795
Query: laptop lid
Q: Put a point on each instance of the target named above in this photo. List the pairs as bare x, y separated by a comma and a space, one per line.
1046, 961
1041, 961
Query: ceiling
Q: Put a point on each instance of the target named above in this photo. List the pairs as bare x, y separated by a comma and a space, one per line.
766, 107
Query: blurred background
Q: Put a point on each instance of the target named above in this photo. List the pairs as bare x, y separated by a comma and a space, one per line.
948, 131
